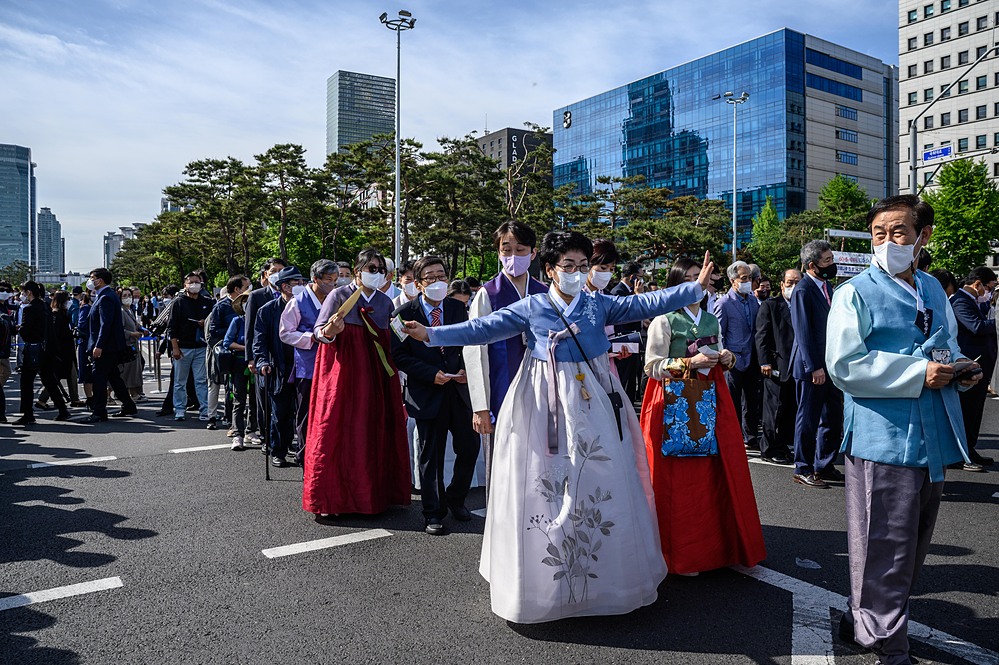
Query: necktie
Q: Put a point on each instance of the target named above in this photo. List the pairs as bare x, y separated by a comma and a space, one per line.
825, 290
435, 317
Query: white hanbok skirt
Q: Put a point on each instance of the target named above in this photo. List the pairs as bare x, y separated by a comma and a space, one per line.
572, 533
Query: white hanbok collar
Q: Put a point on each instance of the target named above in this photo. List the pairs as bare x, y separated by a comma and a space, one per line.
912, 291
696, 318
556, 298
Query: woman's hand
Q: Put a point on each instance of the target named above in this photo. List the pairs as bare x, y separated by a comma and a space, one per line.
623, 353
416, 330
333, 327
727, 358
707, 269
701, 361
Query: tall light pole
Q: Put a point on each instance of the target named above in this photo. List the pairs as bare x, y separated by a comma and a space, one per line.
730, 98
405, 21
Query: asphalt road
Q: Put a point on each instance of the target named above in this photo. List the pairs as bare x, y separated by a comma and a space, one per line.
184, 533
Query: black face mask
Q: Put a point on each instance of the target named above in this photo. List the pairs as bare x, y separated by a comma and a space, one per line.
828, 272
717, 283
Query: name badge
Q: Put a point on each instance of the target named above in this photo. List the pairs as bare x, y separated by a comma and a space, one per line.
941, 356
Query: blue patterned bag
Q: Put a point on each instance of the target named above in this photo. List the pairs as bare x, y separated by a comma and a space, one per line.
689, 412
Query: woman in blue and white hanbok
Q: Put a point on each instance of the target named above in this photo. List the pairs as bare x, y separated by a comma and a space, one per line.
570, 528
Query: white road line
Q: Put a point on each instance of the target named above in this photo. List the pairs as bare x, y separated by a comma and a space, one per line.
324, 543
811, 635
66, 462
11, 602
197, 448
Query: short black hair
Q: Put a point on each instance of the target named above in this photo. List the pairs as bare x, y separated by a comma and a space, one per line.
425, 263
556, 243
235, 283
459, 287
524, 234
678, 272
921, 210
473, 282
193, 273
269, 263
923, 260
604, 252
981, 274
6, 285
171, 290
946, 278
102, 274
407, 266
366, 256
632, 268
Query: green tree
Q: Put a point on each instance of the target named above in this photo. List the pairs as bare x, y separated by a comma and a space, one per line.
283, 177
966, 207
17, 272
845, 204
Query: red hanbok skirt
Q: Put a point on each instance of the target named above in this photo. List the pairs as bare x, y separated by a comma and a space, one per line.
707, 510
357, 452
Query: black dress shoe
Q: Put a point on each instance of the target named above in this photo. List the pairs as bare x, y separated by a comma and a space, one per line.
810, 480
161, 414
94, 418
434, 527
278, 462
23, 421
980, 459
779, 461
460, 513
211, 424
63, 415
831, 473
124, 413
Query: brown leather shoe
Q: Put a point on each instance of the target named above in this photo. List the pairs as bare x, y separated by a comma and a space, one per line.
810, 480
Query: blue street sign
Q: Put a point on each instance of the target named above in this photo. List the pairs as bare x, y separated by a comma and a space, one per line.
936, 153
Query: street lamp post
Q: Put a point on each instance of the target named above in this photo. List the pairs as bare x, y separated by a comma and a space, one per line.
730, 98
405, 21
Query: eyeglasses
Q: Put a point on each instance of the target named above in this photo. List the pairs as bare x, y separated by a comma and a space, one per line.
572, 267
430, 279
375, 269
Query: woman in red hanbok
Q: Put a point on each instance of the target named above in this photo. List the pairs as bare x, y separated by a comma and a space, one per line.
356, 453
706, 507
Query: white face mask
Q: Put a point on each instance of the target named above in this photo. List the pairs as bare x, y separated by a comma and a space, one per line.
570, 283
194, 288
895, 258
745, 288
983, 299
297, 289
372, 280
436, 291
409, 288
90, 284
343, 281
600, 280
788, 290
126, 301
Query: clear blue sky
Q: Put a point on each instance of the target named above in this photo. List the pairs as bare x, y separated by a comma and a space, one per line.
114, 97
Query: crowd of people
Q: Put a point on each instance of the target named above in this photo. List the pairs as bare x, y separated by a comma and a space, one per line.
367, 374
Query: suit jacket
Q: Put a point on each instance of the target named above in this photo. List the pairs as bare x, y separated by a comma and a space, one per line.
257, 299
775, 336
809, 313
976, 334
421, 362
736, 331
106, 329
268, 349
622, 289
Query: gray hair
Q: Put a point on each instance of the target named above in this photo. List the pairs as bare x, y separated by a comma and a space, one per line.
812, 252
324, 267
755, 272
733, 270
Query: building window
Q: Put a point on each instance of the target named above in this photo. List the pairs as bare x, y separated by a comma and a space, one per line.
981, 141
962, 115
826, 61
944, 91
962, 87
928, 39
962, 58
945, 62
833, 87
912, 43
981, 82
846, 135
913, 15
913, 70
962, 3
851, 178
962, 145
995, 139
851, 113
995, 169
962, 29
928, 122
944, 119
927, 11
981, 22
980, 51
928, 95
995, 111
848, 157
944, 34
914, 97
945, 5
981, 112
928, 67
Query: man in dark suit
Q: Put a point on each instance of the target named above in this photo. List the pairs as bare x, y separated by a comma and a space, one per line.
437, 397
774, 341
629, 369
106, 345
976, 337
257, 299
736, 312
818, 425
275, 363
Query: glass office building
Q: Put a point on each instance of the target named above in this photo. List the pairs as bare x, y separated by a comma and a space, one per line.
17, 203
358, 106
815, 110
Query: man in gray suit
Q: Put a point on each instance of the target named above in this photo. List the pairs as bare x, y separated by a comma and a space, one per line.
736, 312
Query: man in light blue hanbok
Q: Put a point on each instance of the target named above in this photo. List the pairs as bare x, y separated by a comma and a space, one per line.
570, 528
892, 349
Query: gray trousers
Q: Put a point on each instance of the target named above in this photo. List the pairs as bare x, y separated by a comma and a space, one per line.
890, 514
